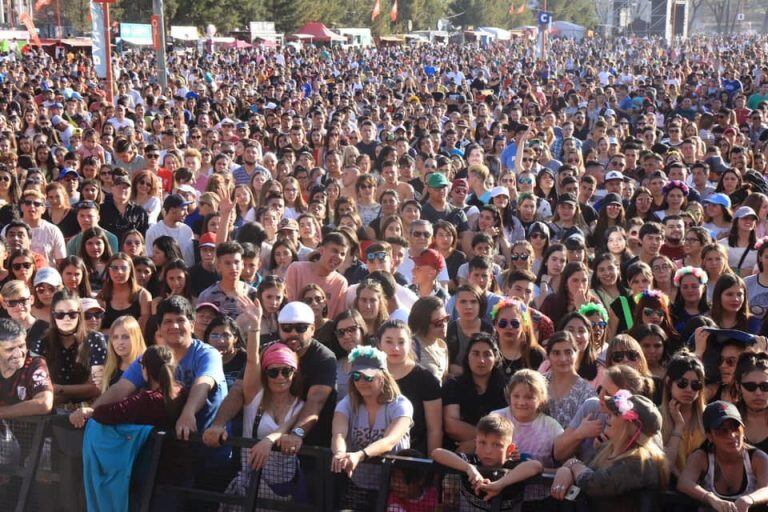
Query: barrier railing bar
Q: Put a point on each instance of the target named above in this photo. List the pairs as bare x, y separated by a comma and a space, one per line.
148, 492
29, 472
383, 493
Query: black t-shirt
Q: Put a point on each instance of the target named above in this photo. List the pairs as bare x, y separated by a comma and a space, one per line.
453, 262
536, 356
37, 331
202, 278
235, 367
454, 215
318, 368
367, 149
69, 226
419, 386
473, 405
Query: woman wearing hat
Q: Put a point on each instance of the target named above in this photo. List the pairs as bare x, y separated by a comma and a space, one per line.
718, 215
538, 235
726, 474
740, 243
567, 217
372, 420
47, 282
611, 214
630, 462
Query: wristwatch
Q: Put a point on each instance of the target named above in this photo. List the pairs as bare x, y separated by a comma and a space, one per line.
298, 432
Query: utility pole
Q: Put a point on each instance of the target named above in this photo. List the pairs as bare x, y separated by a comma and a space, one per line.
158, 40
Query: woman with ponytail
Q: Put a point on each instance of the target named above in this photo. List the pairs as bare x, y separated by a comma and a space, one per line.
159, 404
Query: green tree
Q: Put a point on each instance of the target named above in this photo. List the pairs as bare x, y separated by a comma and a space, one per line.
478, 13
581, 12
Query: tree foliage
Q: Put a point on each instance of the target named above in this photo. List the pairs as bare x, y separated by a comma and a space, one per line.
494, 13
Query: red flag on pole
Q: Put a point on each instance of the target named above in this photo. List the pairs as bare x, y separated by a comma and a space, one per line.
376, 10
26, 20
393, 12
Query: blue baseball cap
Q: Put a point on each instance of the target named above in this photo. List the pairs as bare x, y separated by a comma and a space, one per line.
66, 171
718, 198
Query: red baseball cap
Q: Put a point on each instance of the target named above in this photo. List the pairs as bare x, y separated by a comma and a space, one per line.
208, 240
430, 258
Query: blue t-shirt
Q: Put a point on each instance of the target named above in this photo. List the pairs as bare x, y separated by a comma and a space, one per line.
201, 360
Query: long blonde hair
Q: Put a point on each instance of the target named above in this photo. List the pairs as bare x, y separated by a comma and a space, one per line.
138, 347
644, 448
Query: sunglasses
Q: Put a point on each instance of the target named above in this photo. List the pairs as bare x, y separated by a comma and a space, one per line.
372, 256
653, 312
538, 235
754, 386
421, 234
94, 315
5, 179
525, 181
504, 323
14, 303
347, 330
153, 156
356, 376
119, 268
61, 315
273, 279
314, 300
299, 328
621, 355
516, 257
601, 324
440, 321
18, 266
36, 204
727, 361
696, 385
274, 373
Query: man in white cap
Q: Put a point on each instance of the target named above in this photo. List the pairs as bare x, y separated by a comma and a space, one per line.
317, 366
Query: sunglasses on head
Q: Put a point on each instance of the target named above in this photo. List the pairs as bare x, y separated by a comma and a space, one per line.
754, 386
696, 385
299, 328
504, 323
621, 355
18, 266
516, 257
356, 376
372, 256
274, 373
61, 315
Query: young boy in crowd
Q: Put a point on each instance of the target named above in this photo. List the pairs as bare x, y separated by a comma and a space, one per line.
251, 264
493, 452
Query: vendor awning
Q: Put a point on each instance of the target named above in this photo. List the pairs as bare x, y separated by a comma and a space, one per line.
185, 33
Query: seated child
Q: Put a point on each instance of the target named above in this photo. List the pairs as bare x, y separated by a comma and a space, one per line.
493, 451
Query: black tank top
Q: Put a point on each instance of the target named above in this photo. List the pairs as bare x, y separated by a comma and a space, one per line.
111, 314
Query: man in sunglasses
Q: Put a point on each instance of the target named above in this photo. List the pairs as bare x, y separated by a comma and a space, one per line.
317, 366
45, 238
25, 384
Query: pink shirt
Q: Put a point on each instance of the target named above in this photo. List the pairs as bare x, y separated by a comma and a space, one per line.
301, 273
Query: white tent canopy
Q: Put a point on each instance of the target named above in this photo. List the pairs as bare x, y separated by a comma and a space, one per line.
499, 34
185, 33
569, 30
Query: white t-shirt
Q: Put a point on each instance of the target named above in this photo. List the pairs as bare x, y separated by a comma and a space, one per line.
757, 294
181, 233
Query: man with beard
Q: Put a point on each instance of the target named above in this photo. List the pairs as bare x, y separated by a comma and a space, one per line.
251, 157
317, 367
25, 384
674, 232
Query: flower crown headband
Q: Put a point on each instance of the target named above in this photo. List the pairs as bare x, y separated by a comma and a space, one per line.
626, 409
368, 352
698, 272
675, 184
591, 308
652, 294
760, 243
510, 303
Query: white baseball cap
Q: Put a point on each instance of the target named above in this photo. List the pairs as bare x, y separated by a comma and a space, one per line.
296, 313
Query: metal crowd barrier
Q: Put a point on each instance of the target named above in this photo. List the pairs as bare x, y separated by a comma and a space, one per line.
41, 471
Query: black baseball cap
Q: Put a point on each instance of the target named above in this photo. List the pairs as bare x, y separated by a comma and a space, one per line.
718, 413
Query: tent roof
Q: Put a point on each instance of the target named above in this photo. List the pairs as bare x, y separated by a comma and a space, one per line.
318, 32
566, 25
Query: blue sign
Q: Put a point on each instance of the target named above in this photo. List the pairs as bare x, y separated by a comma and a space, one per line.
136, 33
545, 18
99, 40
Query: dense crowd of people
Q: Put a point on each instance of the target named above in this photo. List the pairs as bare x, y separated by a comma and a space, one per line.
453, 252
